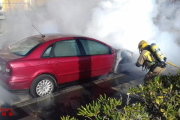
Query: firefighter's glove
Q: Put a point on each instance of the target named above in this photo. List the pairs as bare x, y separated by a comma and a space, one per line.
153, 63
165, 59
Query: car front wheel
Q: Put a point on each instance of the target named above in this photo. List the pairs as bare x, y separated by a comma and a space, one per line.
42, 85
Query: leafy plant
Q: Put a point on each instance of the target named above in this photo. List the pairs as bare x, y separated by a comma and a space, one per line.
106, 109
161, 97
68, 118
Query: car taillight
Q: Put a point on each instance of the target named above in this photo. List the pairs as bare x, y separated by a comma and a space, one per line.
8, 69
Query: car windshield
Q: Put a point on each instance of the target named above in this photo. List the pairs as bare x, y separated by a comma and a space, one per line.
25, 46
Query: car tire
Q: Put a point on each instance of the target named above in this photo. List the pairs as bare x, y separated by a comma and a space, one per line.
42, 85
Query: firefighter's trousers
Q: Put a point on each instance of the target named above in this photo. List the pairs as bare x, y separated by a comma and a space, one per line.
150, 76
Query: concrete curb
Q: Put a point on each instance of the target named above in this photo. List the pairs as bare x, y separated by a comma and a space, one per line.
68, 89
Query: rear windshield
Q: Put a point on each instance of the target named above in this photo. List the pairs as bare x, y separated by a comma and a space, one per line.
24, 47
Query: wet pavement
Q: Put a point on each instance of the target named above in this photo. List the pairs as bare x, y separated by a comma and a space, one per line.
70, 97
68, 102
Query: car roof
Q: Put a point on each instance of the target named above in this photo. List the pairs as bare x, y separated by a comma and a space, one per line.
53, 36
49, 37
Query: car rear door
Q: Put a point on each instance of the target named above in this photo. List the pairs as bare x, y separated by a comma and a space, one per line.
99, 57
67, 62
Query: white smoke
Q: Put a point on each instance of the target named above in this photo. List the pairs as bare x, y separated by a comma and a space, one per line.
123, 22
168, 23
120, 23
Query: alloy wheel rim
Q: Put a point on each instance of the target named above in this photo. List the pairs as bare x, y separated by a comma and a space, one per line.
44, 87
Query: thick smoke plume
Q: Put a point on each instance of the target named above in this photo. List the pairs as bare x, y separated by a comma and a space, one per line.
120, 23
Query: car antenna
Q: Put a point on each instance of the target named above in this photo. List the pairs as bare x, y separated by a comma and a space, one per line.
40, 33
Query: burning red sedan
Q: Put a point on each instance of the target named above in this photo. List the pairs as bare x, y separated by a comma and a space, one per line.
41, 63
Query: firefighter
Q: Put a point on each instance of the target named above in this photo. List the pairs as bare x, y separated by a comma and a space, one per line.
149, 61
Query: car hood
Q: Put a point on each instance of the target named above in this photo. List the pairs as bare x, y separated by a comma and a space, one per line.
7, 56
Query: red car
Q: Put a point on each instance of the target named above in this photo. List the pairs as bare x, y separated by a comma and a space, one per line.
41, 63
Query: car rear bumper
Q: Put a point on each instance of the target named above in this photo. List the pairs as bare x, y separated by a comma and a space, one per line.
12, 84
4, 80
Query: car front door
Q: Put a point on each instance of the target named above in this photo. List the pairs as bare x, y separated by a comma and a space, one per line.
67, 62
99, 57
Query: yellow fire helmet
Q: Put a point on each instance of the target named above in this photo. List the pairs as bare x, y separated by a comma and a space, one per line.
142, 45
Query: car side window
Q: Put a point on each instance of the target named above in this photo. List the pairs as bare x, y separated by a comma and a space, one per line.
94, 48
47, 52
66, 48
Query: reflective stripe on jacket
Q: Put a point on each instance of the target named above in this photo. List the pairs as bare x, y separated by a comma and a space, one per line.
146, 58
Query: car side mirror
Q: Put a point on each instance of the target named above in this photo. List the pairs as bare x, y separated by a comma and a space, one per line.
111, 51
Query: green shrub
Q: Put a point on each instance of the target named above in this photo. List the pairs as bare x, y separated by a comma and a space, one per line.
68, 118
106, 109
161, 97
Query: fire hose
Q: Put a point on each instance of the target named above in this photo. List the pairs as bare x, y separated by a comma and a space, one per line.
172, 64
